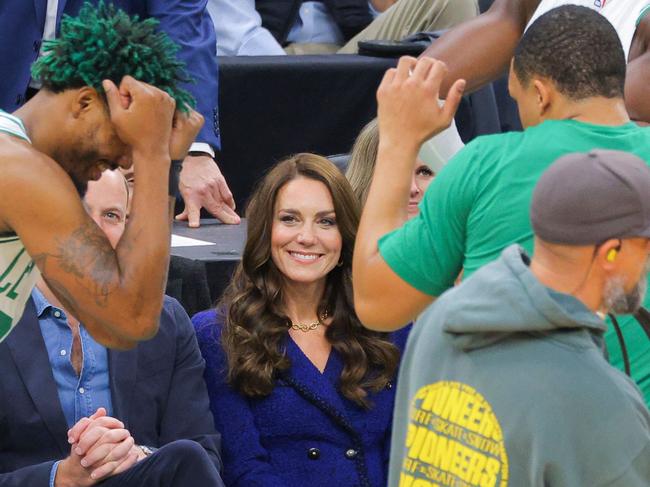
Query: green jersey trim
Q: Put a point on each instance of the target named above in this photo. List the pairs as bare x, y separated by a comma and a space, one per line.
644, 12
8, 239
13, 126
5, 324
14, 133
15, 119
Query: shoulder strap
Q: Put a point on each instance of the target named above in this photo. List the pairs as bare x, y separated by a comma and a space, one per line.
13, 126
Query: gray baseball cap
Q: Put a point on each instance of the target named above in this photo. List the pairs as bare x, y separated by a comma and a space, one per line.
585, 199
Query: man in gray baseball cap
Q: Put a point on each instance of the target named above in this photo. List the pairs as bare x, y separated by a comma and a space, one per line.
587, 198
591, 218
504, 380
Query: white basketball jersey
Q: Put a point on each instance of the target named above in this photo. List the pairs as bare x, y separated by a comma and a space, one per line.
18, 274
624, 15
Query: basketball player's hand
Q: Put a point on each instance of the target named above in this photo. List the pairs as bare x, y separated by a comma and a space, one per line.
142, 116
408, 111
185, 128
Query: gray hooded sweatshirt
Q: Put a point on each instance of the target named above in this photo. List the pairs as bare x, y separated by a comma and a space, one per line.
504, 383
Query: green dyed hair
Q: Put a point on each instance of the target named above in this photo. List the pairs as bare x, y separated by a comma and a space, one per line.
104, 42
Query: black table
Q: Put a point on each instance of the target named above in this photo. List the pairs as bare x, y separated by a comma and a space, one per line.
199, 274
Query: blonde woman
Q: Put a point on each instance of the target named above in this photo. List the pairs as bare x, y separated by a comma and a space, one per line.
362, 165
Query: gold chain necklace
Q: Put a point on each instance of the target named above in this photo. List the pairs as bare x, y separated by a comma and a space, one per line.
305, 327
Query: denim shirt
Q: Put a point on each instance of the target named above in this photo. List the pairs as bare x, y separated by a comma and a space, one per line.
79, 396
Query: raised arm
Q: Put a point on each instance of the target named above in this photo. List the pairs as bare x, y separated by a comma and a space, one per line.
480, 49
408, 114
637, 88
117, 294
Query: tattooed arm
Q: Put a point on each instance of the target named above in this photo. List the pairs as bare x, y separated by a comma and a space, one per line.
117, 293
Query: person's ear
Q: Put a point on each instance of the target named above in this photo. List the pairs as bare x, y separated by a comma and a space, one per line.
84, 100
544, 96
607, 254
511, 78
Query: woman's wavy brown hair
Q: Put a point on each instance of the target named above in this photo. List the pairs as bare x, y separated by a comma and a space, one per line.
255, 323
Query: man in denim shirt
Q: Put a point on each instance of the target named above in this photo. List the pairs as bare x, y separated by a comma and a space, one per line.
59, 411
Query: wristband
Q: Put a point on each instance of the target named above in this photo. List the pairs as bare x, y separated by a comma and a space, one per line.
174, 175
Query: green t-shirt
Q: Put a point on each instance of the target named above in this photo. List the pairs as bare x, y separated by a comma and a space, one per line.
479, 204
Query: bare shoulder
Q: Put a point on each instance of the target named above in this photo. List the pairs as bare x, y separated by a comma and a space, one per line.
19, 160
641, 41
27, 174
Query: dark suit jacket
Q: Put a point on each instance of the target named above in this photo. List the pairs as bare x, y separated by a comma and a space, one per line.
157, 390
186, 21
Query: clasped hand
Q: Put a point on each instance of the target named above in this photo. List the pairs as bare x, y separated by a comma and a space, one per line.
100, 447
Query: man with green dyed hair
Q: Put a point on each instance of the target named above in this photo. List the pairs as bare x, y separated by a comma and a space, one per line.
110, 99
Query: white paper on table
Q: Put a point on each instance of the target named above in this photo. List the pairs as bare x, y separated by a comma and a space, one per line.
179, 241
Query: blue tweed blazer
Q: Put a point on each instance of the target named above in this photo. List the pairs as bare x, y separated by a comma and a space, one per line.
305, 433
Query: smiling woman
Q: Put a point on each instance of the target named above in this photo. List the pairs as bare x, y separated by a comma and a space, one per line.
305, 241
300, 391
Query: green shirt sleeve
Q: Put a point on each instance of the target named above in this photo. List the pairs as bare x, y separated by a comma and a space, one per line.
428, 251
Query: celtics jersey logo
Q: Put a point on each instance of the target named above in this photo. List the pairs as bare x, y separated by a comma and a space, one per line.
17, 273
17, 278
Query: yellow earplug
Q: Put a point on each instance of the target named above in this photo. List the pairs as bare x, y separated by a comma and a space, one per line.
611, 255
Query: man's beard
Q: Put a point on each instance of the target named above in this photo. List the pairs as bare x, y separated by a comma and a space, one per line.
76, 164
617, 301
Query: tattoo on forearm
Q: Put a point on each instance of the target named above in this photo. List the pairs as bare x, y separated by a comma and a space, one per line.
87, 255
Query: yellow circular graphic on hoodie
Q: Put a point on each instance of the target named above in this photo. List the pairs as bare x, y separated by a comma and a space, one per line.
453, 440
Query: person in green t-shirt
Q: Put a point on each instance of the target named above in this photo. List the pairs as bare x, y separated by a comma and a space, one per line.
479, 203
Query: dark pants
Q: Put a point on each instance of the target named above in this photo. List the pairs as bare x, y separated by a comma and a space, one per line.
182, 463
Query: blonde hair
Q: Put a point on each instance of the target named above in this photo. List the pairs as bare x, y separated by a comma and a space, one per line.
362, 161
